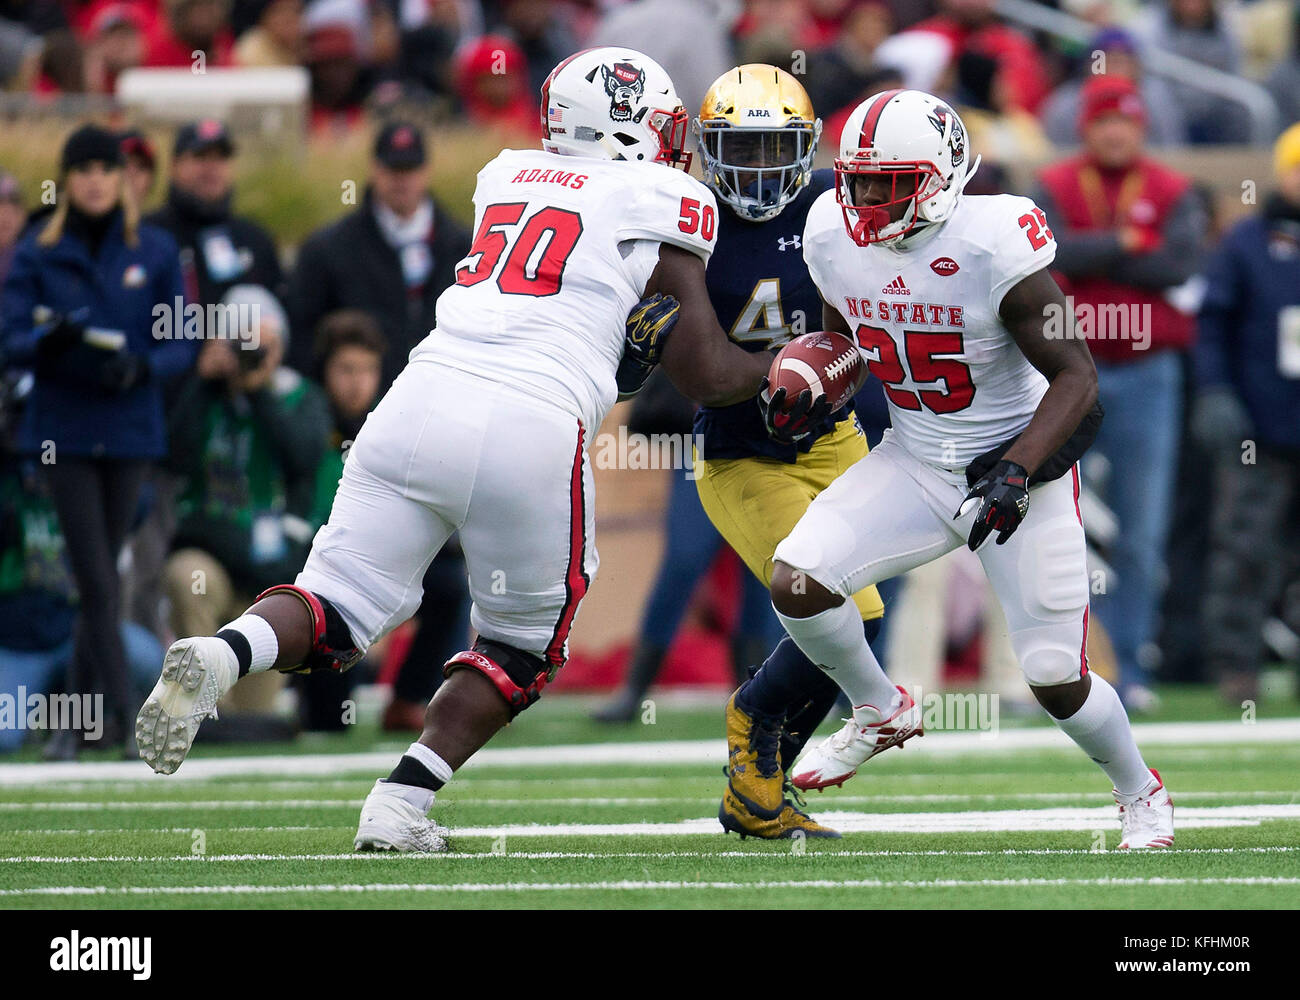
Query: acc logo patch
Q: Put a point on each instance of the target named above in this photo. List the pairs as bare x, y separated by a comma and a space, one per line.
944, 266
134, 277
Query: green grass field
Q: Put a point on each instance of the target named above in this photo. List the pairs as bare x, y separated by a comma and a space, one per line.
561, 813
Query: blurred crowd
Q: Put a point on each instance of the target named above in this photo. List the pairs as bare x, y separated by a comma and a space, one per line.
153, 483
210, 439
485, 59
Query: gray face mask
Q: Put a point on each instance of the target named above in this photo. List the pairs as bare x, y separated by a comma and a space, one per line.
756, 171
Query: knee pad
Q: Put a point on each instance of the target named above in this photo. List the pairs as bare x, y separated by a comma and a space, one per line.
332, 645
519, 677
1046, 663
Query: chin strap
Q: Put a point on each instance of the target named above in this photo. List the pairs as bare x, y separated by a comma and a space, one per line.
979, 158
922, 223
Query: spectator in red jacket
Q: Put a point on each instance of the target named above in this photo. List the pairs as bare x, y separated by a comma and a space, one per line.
1129, 232
492, 79
113, 43
972, 26
338, 60
190, 26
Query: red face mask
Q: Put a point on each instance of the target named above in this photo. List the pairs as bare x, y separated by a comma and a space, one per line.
672, 128
904, 182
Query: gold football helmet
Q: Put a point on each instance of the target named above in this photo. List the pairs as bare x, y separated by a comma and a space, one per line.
757, 135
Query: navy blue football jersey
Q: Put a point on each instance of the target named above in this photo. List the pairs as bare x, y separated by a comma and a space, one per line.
760, 289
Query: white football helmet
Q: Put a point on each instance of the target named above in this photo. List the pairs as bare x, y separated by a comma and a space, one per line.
900, 148
614, 104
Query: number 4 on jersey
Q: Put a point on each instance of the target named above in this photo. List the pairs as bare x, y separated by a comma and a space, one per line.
535, 263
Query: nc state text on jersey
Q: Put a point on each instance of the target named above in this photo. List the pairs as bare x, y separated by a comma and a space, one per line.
912, 313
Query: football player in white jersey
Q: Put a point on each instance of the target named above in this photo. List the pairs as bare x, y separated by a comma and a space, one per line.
952, 306
486, 432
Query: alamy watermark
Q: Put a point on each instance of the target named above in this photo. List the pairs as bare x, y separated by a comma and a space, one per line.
37, 710
91, 953
626, 450
238, 322
957, 711
1108, 321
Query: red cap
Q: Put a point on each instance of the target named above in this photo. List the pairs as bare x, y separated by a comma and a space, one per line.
1105, 95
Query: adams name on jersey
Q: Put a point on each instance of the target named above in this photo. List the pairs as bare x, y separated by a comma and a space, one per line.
926, 320
563, 248
759, 286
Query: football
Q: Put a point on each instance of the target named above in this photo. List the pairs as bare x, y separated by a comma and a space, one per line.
824, 362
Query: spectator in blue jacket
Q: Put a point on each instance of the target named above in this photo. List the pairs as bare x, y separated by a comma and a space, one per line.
1247, 413
84, 296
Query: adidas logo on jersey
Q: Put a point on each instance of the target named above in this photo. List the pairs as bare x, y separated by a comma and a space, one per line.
897, 287
783, 244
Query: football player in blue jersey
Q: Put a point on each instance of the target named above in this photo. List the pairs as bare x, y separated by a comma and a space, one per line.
757, 136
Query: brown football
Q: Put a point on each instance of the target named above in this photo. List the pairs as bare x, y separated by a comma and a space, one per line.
824, 362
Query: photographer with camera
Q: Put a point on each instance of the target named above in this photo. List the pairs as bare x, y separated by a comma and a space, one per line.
247, 438
78, 309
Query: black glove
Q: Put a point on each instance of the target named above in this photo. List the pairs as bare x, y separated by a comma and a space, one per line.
797, 422
1057, 464
1003, 493
644, 339
122, 372
59, 339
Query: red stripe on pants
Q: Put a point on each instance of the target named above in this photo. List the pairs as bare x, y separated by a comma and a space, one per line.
575, 576
1083, 651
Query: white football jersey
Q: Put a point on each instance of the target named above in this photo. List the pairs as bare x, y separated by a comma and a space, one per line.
926, 320
562, 251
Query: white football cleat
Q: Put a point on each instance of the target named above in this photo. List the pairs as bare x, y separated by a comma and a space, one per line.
1147, 819
196, 674
837, 758
390, 823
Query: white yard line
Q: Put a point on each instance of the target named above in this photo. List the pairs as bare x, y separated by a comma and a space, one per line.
988, 821
656, 754
469, 799
999, 821
632, 886
480, 856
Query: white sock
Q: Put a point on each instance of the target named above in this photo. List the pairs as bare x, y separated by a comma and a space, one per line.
262, 640
419, 796
1101, 729
834, 641
438, 767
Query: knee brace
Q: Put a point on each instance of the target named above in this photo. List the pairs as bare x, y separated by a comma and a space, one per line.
332, 645
519, 677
